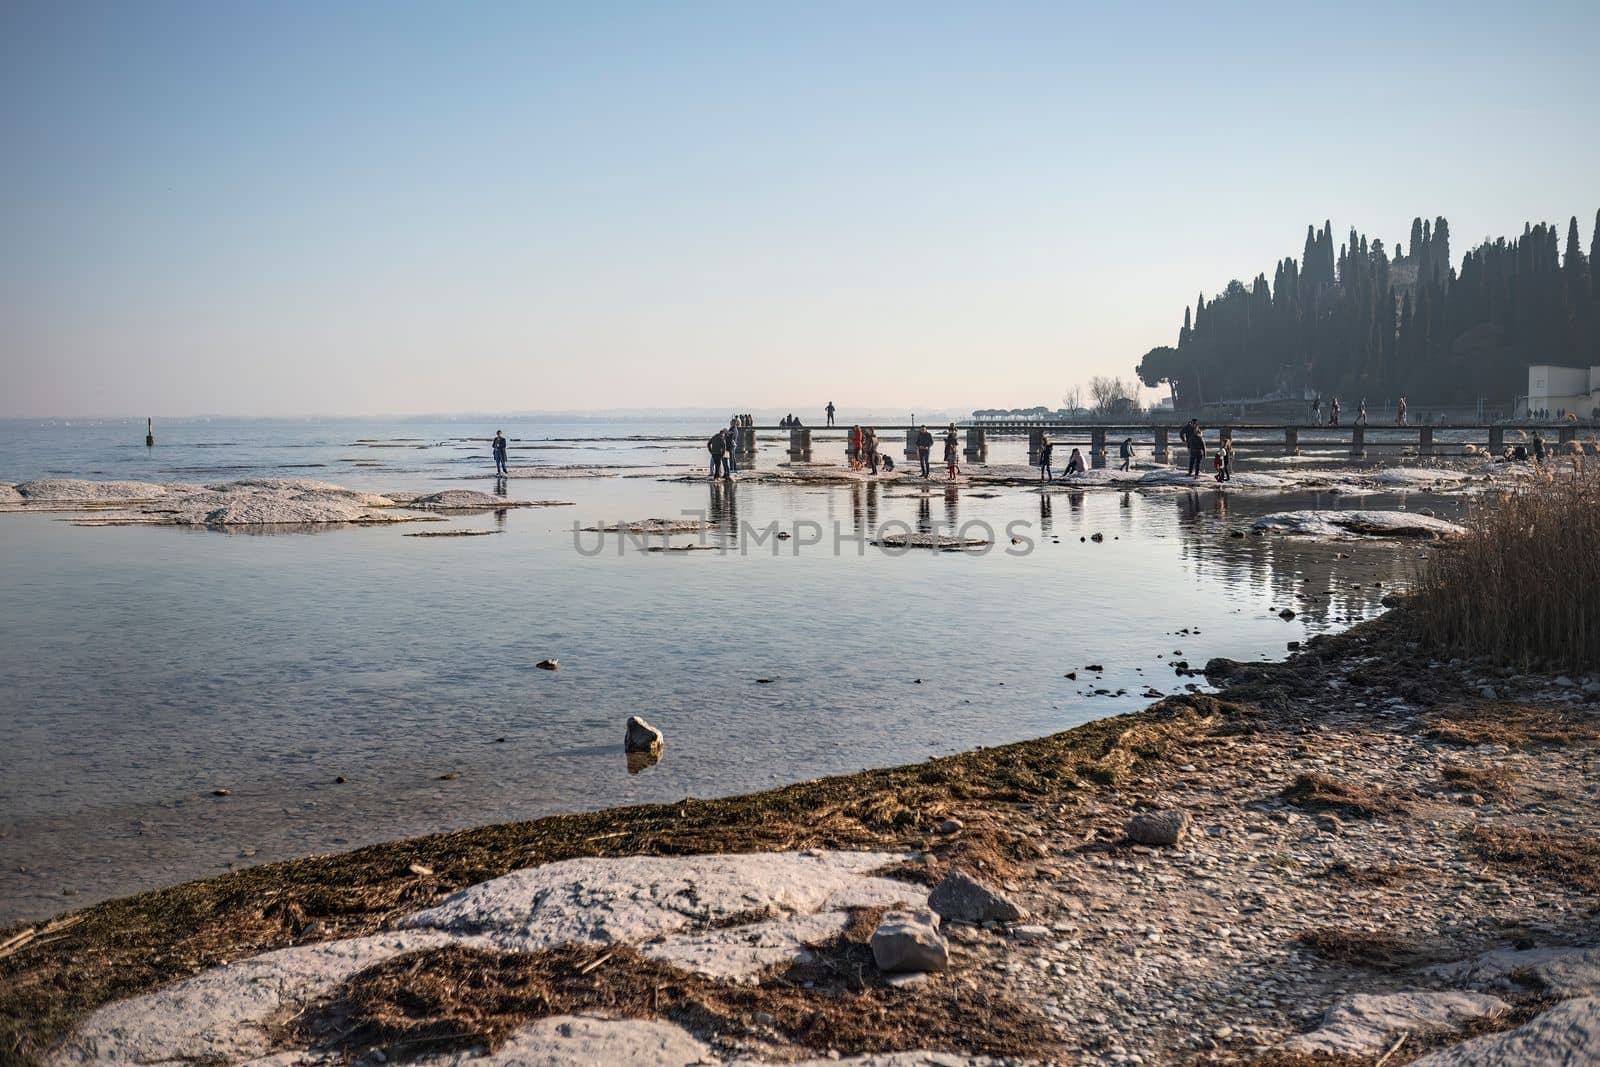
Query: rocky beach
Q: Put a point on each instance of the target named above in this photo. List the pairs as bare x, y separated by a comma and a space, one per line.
1363, 851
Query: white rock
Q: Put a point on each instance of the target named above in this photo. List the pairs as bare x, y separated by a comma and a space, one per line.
1568, 1035
1564, 972
1364, 1023
1356, 523
635, 898
79, 491
222, 1013
582, 1041
909, 941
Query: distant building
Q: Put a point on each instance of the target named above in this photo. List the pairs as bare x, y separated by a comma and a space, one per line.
1561, 389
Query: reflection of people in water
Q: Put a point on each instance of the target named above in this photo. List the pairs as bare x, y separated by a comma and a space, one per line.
952, 510
723, 510
1075, 500
1044, 513
924, 515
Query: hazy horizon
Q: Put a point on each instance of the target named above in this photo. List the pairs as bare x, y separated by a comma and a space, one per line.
258, 210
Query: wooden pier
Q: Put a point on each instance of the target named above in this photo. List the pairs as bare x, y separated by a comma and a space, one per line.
1289, 439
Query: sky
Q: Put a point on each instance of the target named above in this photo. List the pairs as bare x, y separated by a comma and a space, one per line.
288, 208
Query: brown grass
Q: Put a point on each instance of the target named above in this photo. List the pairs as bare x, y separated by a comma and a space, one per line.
1513, 725
126, 947
454, 998
1368, 949
1571, 859
1519, 587
1374, 877
1490, 781
1318, 792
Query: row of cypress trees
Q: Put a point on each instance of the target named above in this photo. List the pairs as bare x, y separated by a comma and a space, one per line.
1357, 322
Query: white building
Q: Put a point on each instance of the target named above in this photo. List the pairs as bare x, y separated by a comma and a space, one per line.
1560, 389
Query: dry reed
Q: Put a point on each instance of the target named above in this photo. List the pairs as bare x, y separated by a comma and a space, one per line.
1523, 587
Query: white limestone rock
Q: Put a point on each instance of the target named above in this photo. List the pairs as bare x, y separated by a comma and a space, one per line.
1563, 972
1568, 1035
81, 491
635, 898
585, 1041
221, 1014
909, 941
1364, 1023
1356, 524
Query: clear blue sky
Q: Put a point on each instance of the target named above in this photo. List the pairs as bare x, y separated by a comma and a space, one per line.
279, 208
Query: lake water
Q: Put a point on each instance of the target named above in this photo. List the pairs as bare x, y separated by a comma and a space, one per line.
143, 667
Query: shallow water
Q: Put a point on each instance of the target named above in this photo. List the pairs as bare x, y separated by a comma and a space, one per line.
144, 667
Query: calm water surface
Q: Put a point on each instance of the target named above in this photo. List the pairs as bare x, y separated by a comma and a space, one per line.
143, 667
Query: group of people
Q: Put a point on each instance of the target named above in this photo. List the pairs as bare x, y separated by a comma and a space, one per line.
1194, 439
861, 448
1047, 451
725, 446
1361, 412
792, 422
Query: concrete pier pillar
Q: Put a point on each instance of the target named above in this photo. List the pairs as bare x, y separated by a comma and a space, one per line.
1358, 442
1425, 441
1566, 434
1097, 447
977, 445
1035, 444
911, 443
1497, 439
800, 443
1291, 440
1163, 453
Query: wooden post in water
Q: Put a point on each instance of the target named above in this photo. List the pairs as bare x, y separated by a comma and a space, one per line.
1097, 447
1358, 442
1162, 454
1291, 440
977, 445
1425, 441
149, 433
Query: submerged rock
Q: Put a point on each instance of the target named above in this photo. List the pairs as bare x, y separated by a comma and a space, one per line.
1357, 524
642, 737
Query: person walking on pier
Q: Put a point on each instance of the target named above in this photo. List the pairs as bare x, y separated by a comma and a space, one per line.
1333, 412
1045, 450
924, 449
1316, 410
952, 449
1361, 412
499, 449
829, 410
1127, 453
1400, 413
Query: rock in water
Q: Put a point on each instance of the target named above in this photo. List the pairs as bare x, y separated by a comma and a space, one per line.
548, 664
909, 941
1158, 827
962, 898
642, 737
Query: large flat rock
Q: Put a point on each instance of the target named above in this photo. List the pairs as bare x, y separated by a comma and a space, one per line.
1563, 972
1568, 1035
636, 898
221, 1015
1365, 1023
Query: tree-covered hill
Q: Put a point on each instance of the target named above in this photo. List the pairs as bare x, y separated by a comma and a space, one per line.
1357, 322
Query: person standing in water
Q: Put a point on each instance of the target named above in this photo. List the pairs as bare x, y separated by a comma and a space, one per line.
1045, 451
952, 449
924, 449
1333, 412
499, 449
829, 410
